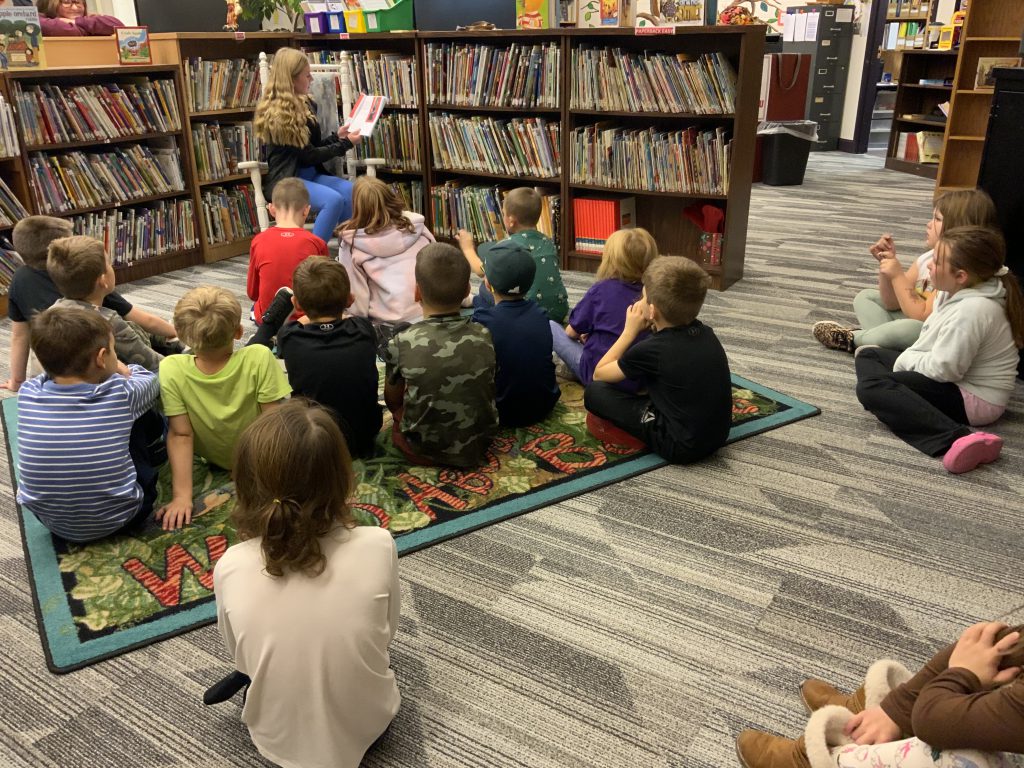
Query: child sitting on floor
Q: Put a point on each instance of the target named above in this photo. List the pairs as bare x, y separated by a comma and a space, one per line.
526, 389
687, 411
961, 370
83, 274
520, 212
32, 290
276, 252
378, 247
964, 708
891, 315
83, 467
211, 394
440, 371
308, 602
597, 321
332, 358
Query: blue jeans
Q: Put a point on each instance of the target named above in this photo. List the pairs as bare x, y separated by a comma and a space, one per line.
330, 197
569, 350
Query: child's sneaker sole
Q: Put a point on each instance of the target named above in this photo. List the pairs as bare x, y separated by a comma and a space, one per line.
972, 451
833, 335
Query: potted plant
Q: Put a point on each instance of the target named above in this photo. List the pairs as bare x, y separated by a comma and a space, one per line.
290, 11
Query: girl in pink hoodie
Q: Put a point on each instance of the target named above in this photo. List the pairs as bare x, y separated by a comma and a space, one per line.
378, 248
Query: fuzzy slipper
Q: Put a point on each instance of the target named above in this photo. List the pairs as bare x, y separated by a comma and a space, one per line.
971, 451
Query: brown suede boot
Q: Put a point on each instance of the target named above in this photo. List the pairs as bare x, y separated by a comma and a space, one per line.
762, 750
817, 694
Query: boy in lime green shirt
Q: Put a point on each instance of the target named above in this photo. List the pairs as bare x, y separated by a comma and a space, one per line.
211, 395
520, 214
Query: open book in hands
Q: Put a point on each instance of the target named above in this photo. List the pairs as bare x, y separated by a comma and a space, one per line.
365, 113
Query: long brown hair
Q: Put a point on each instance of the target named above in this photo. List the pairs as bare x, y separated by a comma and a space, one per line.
967, 208
981, 253
282, 116
375, 207
293, 473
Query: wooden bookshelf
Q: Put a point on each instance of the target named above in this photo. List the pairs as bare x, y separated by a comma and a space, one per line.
983, 36
912, 98
17, 172
658, 211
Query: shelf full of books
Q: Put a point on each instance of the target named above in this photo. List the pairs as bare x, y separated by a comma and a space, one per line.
396, 139
221, 84
218, 149
517, 147
477, 209
517, 75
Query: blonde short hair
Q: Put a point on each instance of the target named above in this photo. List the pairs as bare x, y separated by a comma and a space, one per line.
627, 253
207, 318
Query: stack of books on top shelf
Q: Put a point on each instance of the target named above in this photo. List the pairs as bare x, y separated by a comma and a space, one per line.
11, 209
385, 73
222, 84
613, 79
9, 145
518, 147
229, 213
909, 8
484, 76
687, 161
903, 35
596, 218
132, 234
9, 263
396, 138
920, 147
477, 209
64, 182
220, 148
412, 194
52, 114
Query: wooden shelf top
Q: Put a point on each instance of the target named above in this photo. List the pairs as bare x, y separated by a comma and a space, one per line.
225, 250
305, 37
399, 172
924, 51
283, 36
155, 259
975, 91
225, 179
966, 138
503, 176
47, 73
917, 87
98, 142
120, 204
623, 191
993, 39
925, 170
223, 112
464, 108
917, 121
671, 115
906, 18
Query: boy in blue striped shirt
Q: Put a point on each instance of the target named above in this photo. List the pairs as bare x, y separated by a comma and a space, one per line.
82, 467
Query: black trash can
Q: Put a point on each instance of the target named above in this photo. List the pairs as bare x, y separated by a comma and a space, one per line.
786, 147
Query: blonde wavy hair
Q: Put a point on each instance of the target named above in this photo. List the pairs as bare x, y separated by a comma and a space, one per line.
627, 253
282, 115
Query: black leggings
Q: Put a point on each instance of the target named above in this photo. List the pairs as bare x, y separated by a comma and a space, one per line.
922, 412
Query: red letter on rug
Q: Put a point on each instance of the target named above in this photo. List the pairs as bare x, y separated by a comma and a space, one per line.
167, 589
564, 455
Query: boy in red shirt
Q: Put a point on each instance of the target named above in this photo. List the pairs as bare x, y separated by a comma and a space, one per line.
276, 252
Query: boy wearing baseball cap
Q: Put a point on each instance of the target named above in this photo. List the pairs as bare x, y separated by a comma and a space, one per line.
525, 386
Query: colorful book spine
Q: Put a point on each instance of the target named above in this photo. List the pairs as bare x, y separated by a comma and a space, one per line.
597, 218
516, 147
132, 234
477, 208
222, 84
11, 209
396, 138
220, 148
229, 213
520, 76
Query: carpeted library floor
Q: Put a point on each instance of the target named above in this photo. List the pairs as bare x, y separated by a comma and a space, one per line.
646, 623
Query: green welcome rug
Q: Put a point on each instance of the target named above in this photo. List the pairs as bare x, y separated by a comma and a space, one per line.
103, 599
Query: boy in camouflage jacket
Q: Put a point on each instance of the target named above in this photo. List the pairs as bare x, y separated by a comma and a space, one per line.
440, 371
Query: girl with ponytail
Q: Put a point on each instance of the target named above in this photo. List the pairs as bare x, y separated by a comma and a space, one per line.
961, 371
308, 602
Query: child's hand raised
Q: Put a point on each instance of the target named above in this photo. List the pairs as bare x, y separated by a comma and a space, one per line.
885, 248
889, 266
466, 241
977, 651
175, 515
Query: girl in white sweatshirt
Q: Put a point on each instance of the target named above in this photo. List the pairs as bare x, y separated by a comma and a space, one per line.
378, 247
962, 368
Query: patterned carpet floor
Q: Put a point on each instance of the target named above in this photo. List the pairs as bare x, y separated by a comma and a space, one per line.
646, 623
